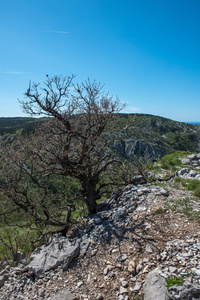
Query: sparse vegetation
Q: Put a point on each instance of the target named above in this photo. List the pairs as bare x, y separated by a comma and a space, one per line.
174, 280
145, 128
189, 184
160, 210
172, 161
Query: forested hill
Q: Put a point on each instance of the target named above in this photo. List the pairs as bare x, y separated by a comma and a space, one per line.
14, 125
147, 135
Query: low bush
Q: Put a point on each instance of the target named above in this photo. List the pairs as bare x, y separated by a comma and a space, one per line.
171, 161
174, 280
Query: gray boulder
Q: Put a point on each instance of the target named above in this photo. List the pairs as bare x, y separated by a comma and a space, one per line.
187, 292
58, 252
154, 287
188, 173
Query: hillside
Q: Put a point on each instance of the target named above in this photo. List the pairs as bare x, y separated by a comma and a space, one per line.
146, 135
154, 136
147, 240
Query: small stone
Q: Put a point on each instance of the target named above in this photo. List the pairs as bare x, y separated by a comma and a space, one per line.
93, 252
107, 269
145, 270
137, 287
138, 268
154, 286
115, 250
118, 265
148, 249
133, 279
124, 283
123, 290
135, 217
79, 283
197, 272
122, 257
172, 269
132, 266
121, 279
99, 297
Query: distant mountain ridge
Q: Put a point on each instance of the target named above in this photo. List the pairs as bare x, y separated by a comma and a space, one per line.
147, 135
153, 137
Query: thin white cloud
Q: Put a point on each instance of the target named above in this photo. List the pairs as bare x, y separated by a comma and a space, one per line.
134, 109
55, 31
11, 72
131, 109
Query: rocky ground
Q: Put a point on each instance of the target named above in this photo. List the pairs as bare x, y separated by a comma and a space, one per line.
146, 227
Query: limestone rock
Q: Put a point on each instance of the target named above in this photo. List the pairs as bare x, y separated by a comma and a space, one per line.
187, 291
188, 173
64, 295
123, 290
154, 287
3, 278
132, 266
136, 287
58, 252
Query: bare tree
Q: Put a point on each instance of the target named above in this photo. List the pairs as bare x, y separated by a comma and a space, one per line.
73, 143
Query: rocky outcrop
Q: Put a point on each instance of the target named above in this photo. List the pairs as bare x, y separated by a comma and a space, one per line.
122, 273
62, 250
184, 253
188, 174
191, 160
58, 252
154, 287
99, 228
186, 291
129, 148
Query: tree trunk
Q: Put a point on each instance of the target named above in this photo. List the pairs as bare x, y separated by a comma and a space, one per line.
90, 194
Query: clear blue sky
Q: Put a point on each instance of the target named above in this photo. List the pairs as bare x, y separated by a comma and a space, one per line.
147, 52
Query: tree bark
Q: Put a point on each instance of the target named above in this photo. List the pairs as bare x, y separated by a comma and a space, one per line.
90, 194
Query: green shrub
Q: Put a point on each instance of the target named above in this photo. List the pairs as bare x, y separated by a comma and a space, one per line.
193, 184
174, 280
170, 161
